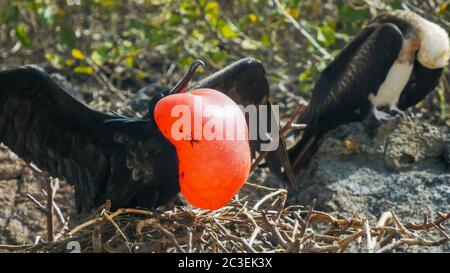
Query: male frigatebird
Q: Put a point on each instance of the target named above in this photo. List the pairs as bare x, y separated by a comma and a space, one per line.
106, 157
394, 62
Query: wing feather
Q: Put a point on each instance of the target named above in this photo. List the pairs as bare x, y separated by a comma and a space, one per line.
423, 81
44, 124
342, 90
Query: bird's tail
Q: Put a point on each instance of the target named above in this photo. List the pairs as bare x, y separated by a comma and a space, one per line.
300, 154
278, 160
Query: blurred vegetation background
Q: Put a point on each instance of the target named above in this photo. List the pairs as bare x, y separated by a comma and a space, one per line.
128, 44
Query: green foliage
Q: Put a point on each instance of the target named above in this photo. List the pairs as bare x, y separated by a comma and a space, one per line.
22, 34
67, 36
139, 39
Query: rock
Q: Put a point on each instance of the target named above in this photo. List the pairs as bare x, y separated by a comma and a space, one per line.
410, 143
20, 220
10, 165
402, 171
8, 188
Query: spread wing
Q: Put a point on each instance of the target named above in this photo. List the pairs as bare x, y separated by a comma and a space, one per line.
341, 93
102, 156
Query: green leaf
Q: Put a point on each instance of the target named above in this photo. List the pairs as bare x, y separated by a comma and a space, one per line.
349, 14
22, 35
219, 57
83, 69
212, 10
227, 31
100, 55
185, 61
67, 37
174, 19
305, 88
265, 40
305, 75
9, 15
252, 17
129, 62
141, 74
396, 4
56, 60
77, 54
326, 35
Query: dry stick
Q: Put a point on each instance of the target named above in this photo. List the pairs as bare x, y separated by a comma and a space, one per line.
242, 241
112, 215
227, 234
64, 229
267, 197
275, 232
369, 243
400, 226
97, 245
255, 233
410, 242
57, 209
427, 225
294, 247
260, 187
303, 31
297, 126
243, 207
347, 240
37, 203
13, 248
189, 240
308, 219
384, 220
442, 232
283, 199
322, 216
322, 249
286, 127
119, 230
257, 229
389, 239
294, 230
171, 237
50, 196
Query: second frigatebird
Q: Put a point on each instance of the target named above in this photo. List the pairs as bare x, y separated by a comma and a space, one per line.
394, 62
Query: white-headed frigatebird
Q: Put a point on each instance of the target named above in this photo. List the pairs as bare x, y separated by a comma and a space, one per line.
394, 62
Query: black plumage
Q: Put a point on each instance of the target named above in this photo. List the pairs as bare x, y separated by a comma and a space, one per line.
341, 94
125, 160
103, 156
423, 81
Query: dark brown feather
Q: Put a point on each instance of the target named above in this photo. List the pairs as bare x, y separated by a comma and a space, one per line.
43, 124
341, 94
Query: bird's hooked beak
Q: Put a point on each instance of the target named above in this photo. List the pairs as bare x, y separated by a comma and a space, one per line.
180, 87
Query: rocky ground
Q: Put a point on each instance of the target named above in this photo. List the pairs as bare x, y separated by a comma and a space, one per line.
403, 167
20, 219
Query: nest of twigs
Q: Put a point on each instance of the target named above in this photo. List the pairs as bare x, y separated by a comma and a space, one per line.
242, 226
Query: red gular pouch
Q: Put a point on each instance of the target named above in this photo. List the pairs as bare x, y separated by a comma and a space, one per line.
210, 134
